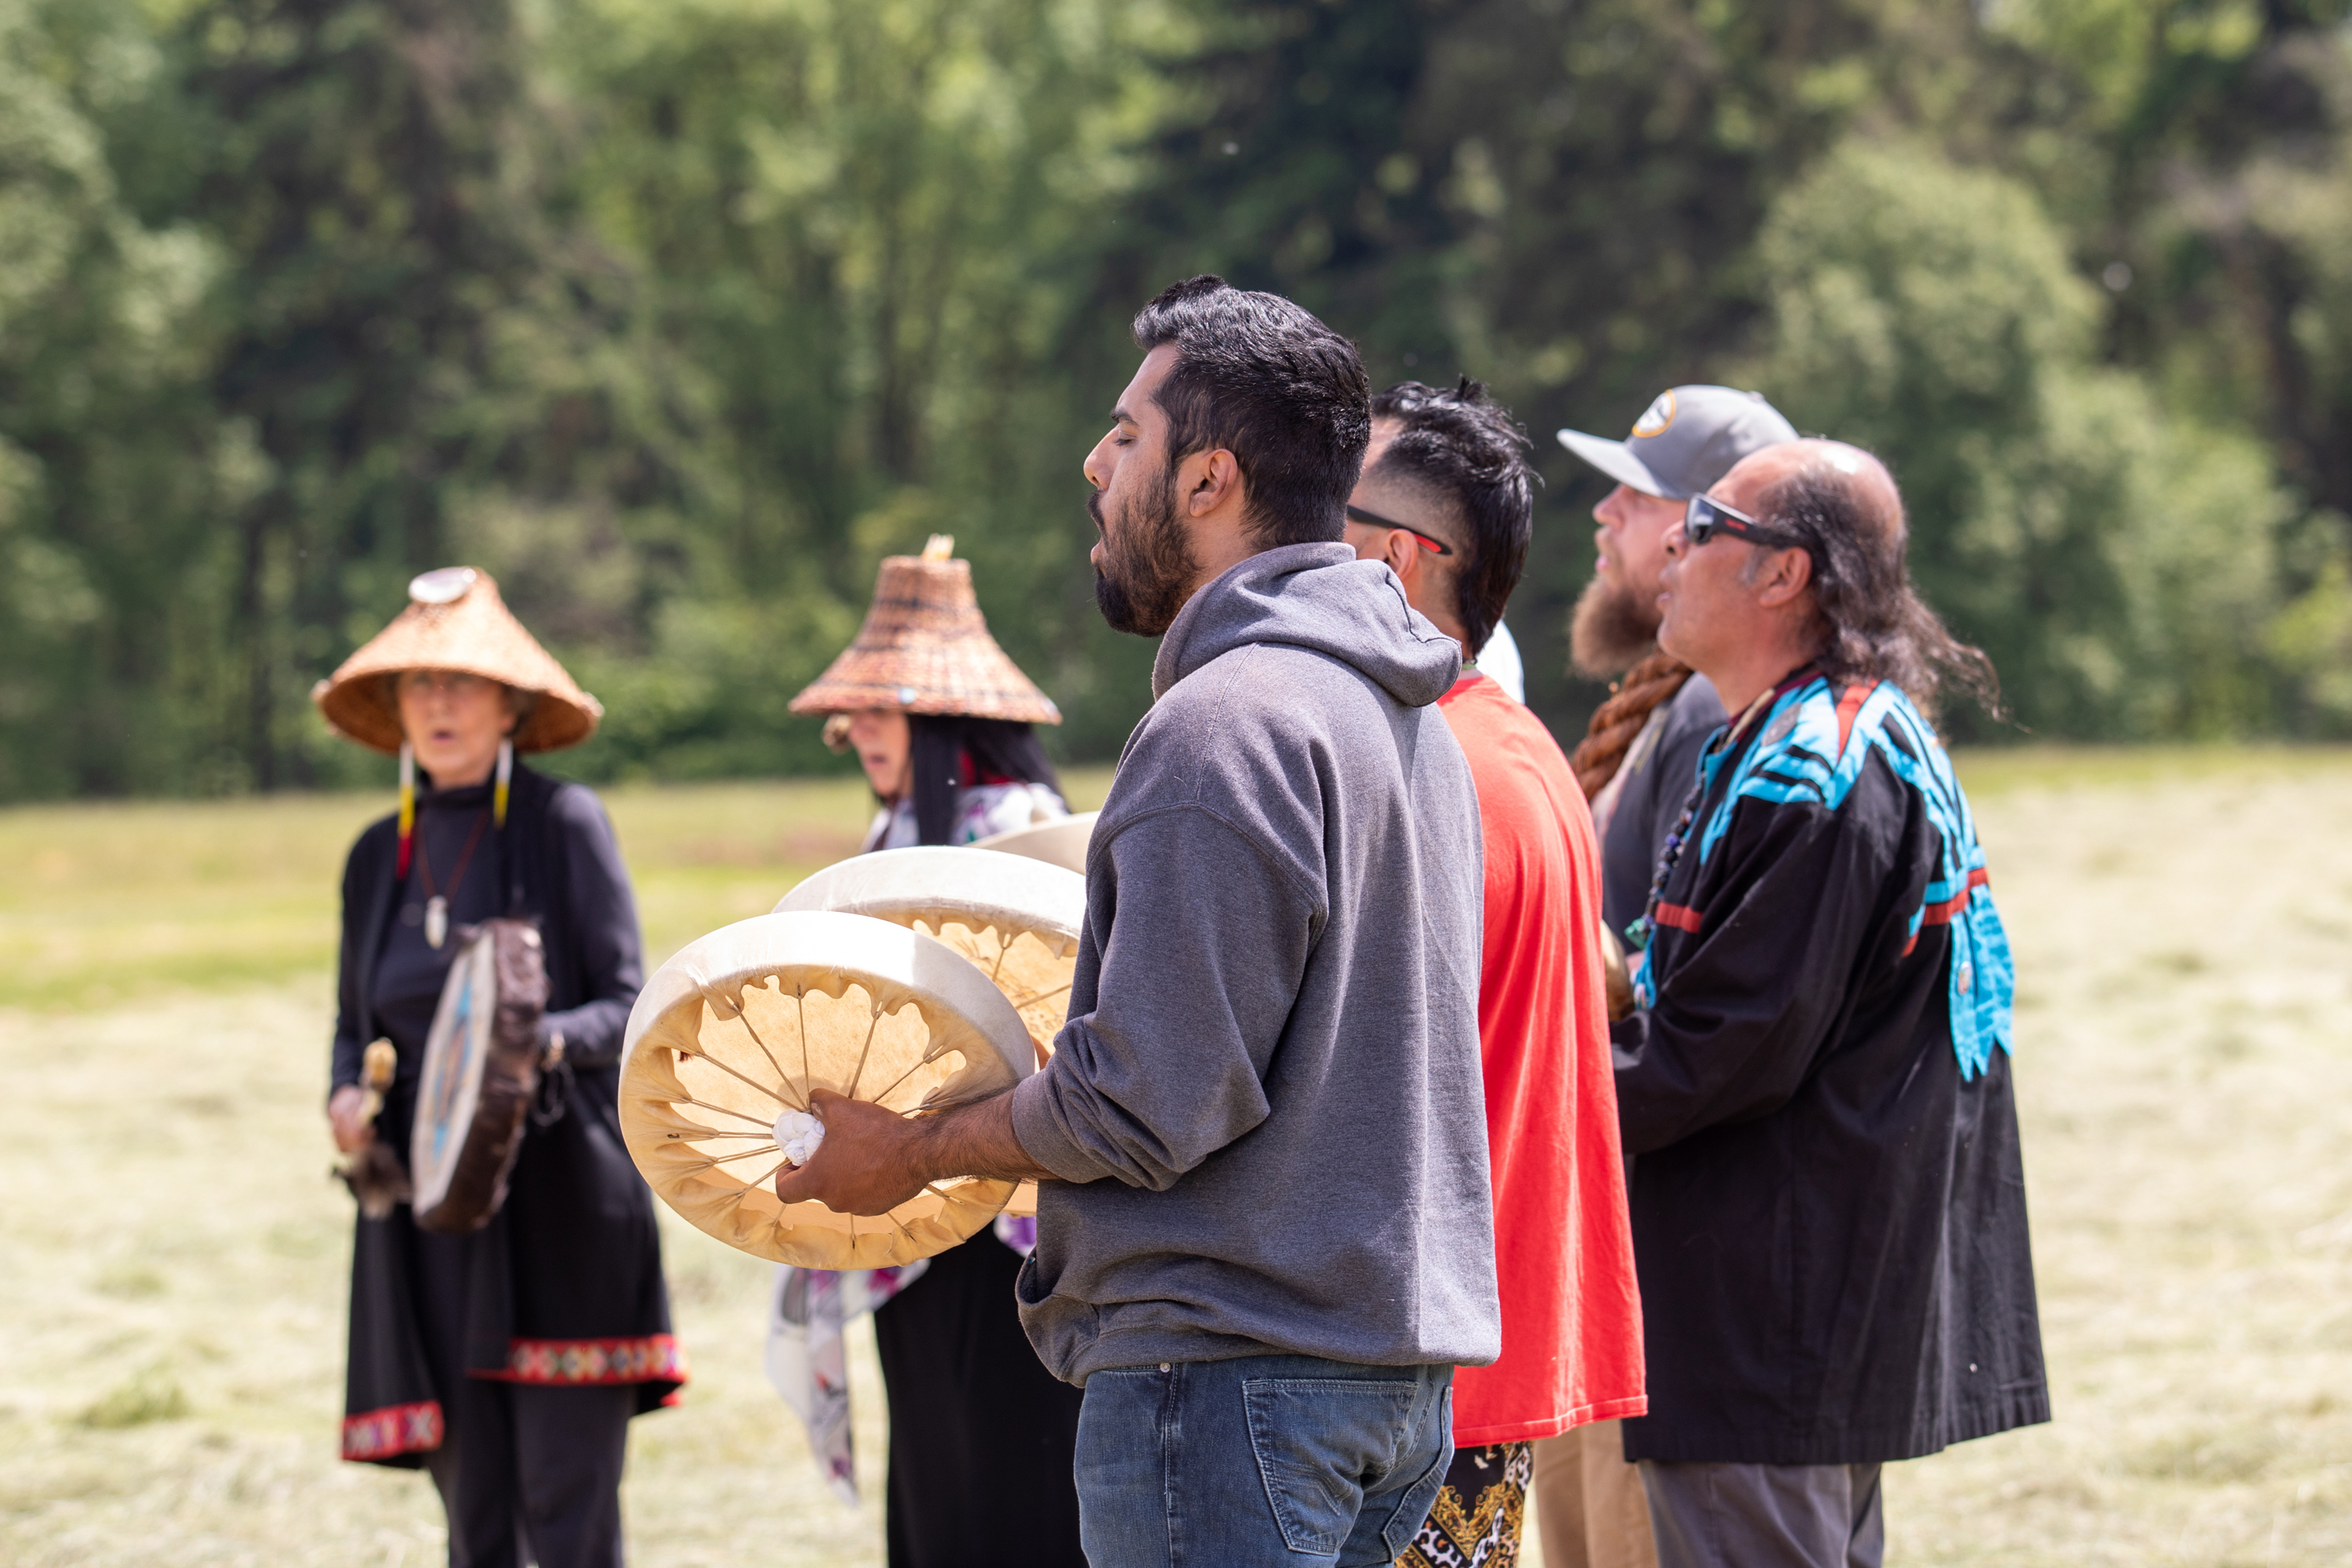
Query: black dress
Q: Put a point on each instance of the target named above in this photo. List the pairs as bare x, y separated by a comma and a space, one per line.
983, 1439
563, 1291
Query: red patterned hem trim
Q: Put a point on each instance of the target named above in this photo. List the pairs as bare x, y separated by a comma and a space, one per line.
565, 1363
393, 1430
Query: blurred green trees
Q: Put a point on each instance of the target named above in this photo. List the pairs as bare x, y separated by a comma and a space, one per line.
677, 317
2118, 560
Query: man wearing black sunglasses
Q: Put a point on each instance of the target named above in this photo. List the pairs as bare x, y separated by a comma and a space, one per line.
1828, 1197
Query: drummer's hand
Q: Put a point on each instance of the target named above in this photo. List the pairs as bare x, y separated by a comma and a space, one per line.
867, 1164
343, 1116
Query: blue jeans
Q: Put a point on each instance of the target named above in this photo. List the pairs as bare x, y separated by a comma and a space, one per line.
1279, 1460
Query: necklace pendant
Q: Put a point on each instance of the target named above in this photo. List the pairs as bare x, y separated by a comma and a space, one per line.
436, 920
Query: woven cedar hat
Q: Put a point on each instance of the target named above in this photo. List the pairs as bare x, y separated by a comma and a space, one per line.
925, 649
455, 621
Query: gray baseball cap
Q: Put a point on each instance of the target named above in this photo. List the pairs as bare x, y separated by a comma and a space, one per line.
1685, 440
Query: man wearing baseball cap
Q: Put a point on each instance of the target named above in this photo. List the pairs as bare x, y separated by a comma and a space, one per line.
1635, 764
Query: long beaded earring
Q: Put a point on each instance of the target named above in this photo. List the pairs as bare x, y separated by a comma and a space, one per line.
407, 807
506, 773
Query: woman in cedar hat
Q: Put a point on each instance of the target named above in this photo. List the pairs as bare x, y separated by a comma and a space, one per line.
941, 719
982, 1438
507, 1362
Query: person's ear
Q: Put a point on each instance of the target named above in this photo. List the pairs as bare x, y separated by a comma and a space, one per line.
1404, 553
1786, 576
1207, 480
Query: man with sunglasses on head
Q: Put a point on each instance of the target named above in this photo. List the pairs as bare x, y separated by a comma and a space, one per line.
1828, 1198
1447, 501
1634, 764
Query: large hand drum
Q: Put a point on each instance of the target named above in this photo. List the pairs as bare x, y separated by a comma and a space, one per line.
736, 1029
481, 1070
1018, 919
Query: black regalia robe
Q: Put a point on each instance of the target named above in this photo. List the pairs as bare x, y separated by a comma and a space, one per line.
1828, 1195
563, 1288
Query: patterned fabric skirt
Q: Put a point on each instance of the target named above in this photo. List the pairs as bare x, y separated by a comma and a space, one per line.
1480, 1510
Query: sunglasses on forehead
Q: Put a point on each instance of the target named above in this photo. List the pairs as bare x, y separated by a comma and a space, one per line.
1705, 518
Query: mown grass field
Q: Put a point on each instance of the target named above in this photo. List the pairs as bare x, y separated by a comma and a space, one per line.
173, 1257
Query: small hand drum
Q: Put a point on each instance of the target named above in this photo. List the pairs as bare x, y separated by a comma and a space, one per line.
736, 1029
1062, 841
481, 1070
1017, 919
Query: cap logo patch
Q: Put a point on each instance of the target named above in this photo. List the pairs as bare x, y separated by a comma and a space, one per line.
1657, 416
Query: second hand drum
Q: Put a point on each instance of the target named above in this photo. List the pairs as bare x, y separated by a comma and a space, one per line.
731, 1034
1017, 919
1062, 841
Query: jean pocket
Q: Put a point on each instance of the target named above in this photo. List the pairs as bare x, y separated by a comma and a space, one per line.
1321, 1442
1412, 1509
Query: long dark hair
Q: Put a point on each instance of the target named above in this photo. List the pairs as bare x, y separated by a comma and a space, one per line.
1875, 625
998, 749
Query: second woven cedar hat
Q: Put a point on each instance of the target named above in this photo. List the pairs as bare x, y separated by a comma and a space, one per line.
925, 649
455, 621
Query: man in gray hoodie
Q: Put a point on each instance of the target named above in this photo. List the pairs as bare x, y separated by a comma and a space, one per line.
1265, 1235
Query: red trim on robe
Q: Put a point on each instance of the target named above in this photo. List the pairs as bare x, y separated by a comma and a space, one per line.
1682, 917
1849, 705
395, 1429
1944, 913
574, 1363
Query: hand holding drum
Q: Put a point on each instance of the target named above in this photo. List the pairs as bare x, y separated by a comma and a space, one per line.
1015, 913
745, 1023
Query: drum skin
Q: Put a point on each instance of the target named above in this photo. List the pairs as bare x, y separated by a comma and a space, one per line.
1062, 841
741, 1024
482, 1074
1017, 919
1017, 916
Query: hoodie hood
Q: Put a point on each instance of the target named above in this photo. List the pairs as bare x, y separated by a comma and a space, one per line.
1321, 597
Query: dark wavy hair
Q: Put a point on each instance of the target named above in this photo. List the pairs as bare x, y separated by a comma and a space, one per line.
1466, 445
1261, 378
1875, 625
938, 745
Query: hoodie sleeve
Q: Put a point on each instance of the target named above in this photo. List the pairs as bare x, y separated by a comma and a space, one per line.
1195, 986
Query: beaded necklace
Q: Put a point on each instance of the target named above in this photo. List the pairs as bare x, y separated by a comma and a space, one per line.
1639, 932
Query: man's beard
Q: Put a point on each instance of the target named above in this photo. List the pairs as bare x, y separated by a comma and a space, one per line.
1148, 570
1611, 632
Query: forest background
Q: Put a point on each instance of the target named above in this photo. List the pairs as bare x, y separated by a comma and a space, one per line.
677, 314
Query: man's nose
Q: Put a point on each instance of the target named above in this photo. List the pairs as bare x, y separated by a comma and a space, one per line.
1677, 542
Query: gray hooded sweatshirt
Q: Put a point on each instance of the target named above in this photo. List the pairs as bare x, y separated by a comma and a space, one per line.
1265, 1108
